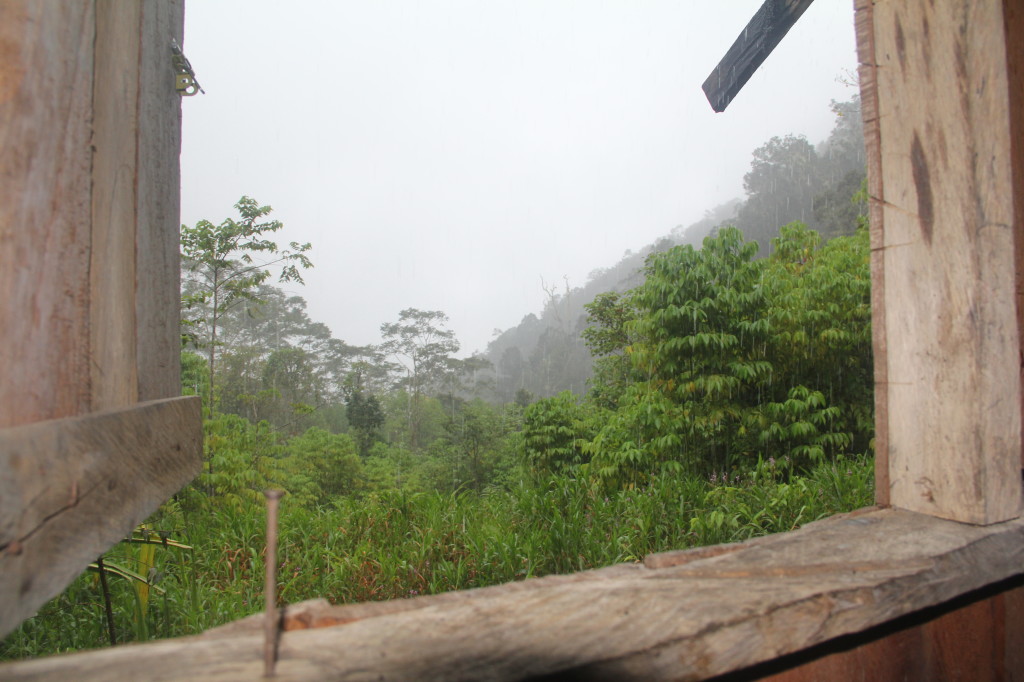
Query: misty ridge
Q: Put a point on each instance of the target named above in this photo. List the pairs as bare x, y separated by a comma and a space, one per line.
789, 180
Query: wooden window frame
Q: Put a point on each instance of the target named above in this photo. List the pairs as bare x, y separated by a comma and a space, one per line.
945, 134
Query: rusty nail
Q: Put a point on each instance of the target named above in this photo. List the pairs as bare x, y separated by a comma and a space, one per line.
270, 589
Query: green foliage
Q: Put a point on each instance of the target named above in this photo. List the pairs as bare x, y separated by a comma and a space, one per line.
220, 271
554, 431
330, 459
738, 358
195, 375
314, 467
729, 397
365, 416
396, 544
700, 350
245, 460
608, 339
821, 324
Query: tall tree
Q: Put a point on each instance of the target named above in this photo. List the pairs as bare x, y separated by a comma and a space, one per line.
781, 185
422, 345
225, 264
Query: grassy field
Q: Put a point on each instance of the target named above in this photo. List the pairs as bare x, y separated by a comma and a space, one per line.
394, 545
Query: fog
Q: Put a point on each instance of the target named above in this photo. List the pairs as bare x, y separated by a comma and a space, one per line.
453, 155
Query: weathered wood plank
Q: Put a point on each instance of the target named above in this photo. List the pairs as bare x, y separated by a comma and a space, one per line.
90, 315
951, 342
971, 638
159, 197
702, 618
46, 58
1013, 17
73, 487
864, 23
137, 132
112, 274
759, 37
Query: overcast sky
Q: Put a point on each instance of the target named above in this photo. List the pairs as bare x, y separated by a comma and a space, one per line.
450, 155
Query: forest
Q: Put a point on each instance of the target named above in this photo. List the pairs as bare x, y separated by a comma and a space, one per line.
713, 387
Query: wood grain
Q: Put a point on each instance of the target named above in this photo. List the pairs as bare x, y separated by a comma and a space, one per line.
1013, 17
137, 133
867, 70
684, 622
89, 143
112, 273
755, 43
46, 59
951, 404
74, 487
158, 296
971, 638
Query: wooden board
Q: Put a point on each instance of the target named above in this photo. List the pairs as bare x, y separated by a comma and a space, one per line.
112, 273
158, 297
867, 72
74, 487
46, 59
759, 37
89, 144
950, 402
973, 638
137, 132
696, 616
1013, 16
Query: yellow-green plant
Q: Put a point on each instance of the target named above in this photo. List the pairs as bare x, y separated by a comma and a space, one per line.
142, 573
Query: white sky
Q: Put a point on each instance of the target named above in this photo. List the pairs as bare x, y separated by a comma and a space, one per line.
448, 155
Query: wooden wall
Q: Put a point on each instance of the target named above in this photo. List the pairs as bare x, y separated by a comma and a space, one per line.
90, 129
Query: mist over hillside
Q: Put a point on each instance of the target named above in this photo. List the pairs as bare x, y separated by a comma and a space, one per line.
790, 179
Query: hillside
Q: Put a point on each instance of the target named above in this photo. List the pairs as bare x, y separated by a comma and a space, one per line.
789, 180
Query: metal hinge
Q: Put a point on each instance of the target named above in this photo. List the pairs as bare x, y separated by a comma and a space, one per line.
185, 82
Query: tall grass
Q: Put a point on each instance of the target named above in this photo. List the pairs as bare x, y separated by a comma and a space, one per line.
397, 545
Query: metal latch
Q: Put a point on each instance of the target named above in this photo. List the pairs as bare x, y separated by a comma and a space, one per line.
185, 82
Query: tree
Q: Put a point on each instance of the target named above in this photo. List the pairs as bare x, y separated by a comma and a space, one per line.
225, 264
554, 432
474, 436
781, 185
735, 359
609, 340
332, 461
422, 346
365, 418
292, 387
700, 349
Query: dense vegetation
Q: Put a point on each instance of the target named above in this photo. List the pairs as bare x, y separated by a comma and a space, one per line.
789, 180
730, 397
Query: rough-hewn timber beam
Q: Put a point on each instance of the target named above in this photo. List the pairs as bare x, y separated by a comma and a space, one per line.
73, 487
89, 143
940, 134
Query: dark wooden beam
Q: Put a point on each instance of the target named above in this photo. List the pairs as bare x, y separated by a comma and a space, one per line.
771, 23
